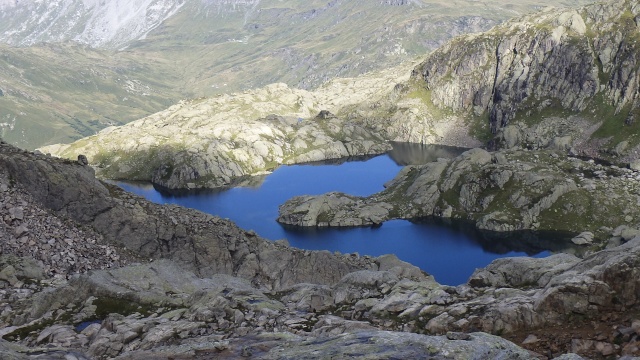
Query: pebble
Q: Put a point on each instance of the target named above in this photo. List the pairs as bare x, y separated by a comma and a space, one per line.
531, 339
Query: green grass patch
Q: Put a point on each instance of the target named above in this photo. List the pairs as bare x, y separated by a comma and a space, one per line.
480, 128
613, 124
110, 305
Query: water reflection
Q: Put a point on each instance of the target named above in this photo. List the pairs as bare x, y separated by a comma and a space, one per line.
418, 154
528, 242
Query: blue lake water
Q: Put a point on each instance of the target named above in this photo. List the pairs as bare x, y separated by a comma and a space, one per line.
449, 252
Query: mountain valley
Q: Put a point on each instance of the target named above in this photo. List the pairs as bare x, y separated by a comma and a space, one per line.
201, 95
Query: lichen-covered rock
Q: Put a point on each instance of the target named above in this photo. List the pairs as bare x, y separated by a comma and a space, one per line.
392, 345
318, 211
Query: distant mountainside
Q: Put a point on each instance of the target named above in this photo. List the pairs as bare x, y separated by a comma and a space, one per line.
67, 66
96, 23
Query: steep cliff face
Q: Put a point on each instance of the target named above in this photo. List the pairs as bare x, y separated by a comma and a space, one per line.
569, 64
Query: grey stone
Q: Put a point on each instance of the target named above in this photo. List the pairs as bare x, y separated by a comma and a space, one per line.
584, 238
522, 271
20, 231
8, 274
16, 213
530, 339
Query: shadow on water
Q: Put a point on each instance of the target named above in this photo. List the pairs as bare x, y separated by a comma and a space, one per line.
528, 242
249, 182
405, 154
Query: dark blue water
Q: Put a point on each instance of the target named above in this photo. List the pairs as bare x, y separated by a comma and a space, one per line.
449, 253
83, 325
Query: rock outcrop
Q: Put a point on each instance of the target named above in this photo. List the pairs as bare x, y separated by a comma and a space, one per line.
216, 142
502, 191
558, 78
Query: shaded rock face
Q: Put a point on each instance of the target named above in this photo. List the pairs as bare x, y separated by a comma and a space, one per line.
502, 191
526, 70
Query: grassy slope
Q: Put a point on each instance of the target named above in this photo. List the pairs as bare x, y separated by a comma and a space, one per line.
58, 93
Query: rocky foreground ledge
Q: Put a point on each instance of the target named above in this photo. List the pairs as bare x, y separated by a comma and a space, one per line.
507, 190
165, 282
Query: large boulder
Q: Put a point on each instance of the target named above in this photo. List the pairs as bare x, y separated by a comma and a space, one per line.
522, 272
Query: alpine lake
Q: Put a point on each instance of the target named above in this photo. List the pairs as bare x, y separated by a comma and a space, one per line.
449, 250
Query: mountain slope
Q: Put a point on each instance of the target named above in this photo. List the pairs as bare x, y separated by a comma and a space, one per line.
59, 92
195, 48
96, 23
